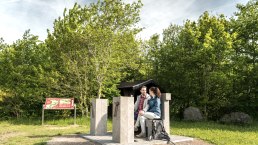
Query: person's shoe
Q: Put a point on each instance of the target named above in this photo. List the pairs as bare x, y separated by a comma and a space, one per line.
135, 129
141, 135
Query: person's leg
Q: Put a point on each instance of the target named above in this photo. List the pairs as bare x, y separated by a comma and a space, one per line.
147, 115
150, 115
137, 123
142, 123
135, 115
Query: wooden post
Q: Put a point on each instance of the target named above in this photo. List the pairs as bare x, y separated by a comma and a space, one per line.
42, 115
74, 114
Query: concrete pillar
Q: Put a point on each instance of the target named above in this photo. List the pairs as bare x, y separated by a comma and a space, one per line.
98, 117
165, 97
123, 122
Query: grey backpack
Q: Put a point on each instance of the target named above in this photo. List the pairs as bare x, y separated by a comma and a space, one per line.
159, 132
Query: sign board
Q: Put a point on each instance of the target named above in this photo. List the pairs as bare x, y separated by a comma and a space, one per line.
59, 103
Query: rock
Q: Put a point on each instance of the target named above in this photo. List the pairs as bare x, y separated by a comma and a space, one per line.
192, 114
237, 118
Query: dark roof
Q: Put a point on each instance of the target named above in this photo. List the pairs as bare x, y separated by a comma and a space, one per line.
135, 85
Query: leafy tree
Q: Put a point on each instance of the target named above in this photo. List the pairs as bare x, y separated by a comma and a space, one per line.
92, 47
244, 24
194, 63
22, 71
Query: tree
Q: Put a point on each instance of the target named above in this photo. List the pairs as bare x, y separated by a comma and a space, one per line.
244, 24
22, 70
93, 46
194, 63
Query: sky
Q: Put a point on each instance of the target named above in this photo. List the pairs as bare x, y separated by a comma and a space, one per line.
17, 16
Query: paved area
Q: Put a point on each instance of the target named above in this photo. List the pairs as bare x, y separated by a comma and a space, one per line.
75, 139
72, 139
107, 140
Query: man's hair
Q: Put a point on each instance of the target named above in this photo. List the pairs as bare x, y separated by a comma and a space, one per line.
144, 87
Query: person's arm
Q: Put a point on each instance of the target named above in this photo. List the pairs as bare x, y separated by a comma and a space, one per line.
147, 106
156, 106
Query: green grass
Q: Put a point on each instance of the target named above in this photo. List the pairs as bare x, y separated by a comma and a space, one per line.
31, 132
218, 134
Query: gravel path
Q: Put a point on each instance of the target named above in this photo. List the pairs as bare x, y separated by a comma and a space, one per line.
78, 140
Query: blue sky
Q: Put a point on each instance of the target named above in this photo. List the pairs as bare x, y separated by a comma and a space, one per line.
38, 15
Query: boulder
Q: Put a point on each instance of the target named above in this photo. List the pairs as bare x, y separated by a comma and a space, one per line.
237, 118
192, 114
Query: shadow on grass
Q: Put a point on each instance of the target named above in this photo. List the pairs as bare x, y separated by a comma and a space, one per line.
52, 121
41, 136
41, 143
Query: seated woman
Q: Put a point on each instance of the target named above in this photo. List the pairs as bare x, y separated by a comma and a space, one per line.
153, 112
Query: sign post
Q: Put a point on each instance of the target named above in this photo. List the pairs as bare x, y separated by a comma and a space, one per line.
42, 114
59, 103
74, 114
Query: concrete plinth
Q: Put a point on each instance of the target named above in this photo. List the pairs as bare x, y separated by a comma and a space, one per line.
98, 120
165, 98
123, 121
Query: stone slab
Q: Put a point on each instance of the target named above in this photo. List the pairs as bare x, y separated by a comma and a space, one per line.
107, 140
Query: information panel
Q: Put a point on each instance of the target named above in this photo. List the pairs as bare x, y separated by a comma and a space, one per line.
59, 103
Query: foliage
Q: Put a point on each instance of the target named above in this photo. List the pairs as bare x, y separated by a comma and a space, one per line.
92, 47
22, 76
246, 58
210, 63
192, 62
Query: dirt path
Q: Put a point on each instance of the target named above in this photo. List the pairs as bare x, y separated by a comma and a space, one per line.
78, 140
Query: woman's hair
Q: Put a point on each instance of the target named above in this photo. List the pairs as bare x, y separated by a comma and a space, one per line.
156, 91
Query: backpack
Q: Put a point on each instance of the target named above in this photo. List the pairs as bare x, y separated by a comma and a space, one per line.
159, 132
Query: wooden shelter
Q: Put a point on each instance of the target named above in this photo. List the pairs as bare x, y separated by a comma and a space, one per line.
133, 88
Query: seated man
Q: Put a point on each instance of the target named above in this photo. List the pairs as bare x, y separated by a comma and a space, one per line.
141, 104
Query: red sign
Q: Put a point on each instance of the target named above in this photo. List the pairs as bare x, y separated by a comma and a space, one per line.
59, 103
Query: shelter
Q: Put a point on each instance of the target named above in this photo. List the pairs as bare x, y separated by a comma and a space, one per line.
133, 88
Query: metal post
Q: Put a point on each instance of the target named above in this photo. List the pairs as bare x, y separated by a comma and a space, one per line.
42, 115
74, 114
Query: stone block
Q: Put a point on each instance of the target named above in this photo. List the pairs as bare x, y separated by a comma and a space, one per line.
165, 97
123, 121
98, 121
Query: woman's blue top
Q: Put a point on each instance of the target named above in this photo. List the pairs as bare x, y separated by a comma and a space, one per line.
154, 105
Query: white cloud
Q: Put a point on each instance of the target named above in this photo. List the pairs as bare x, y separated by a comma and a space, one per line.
17, 16
156, 15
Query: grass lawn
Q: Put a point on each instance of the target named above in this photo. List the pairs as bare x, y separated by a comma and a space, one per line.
28, 131
218, 134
